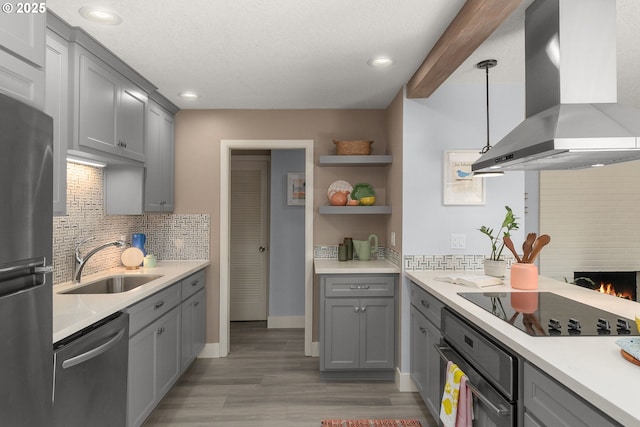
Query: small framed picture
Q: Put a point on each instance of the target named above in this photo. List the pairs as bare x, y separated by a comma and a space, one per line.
295, 188
459, 186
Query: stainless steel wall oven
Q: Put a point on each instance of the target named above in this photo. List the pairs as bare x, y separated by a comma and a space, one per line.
491, 369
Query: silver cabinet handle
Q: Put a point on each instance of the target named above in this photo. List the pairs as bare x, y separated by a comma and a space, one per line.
158, 305
424, 303
423, 330
356, 309
358, 286
363, 308
160, 331
97, 351
196, 303
262, 249
500, 411
195, 282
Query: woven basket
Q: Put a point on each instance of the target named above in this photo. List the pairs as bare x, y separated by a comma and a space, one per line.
353, 148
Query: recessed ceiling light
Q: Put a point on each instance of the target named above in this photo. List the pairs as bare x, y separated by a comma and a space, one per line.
100, 15
188, 95
597, 165
380, 61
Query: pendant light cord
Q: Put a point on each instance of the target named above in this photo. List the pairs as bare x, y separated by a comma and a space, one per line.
489, 63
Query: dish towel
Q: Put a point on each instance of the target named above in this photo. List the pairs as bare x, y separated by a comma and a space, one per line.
456, 409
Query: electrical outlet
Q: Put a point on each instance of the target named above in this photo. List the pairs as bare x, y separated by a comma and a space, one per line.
393, 238
458, 241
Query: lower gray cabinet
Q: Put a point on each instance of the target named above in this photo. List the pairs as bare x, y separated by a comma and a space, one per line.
154, 365
357, 323
426, 371
193, 328
548, 403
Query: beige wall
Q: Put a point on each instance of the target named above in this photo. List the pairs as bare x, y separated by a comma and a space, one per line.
198, 136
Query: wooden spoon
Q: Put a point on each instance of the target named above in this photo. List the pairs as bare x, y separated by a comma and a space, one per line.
540, 243
527, 246
509, 244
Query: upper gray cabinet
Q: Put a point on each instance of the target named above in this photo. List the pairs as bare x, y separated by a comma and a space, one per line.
57, 106
22, 55
159, 175
111, 110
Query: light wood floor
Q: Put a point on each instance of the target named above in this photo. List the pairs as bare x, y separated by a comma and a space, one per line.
268, 382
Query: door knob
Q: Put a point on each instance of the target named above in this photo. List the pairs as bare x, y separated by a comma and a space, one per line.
262, 249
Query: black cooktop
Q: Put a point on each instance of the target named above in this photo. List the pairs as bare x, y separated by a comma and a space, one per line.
549, 314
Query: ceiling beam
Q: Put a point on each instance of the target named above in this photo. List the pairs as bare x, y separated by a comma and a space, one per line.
474, 23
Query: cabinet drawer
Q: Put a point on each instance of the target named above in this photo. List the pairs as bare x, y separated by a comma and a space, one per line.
192, 284
149, 309
359, 286
426, 304
553, 404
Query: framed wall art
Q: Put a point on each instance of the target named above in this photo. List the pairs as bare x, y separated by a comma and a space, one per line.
459, 186
295, 188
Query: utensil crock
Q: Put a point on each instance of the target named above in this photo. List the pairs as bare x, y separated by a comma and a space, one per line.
524, 276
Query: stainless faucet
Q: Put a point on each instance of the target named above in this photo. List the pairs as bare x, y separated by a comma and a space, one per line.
82, 260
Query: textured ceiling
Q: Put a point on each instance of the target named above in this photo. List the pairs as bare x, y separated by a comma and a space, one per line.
303, 54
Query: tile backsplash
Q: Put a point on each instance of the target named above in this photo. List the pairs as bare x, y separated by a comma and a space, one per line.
169, 236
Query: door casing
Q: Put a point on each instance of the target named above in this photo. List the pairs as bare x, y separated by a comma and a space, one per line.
226, 145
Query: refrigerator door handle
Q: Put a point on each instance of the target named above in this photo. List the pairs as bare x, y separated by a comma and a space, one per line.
36, 265
81, 358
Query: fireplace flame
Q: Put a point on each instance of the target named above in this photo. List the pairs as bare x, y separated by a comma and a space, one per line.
609, 289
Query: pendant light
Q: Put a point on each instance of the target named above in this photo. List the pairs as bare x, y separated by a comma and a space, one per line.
486, 64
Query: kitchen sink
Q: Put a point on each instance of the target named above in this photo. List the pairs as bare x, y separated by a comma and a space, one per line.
114, 284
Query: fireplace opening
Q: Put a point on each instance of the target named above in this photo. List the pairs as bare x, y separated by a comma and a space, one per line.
622, 284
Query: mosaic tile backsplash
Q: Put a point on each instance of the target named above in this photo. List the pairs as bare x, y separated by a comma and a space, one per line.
169, 236
447, 262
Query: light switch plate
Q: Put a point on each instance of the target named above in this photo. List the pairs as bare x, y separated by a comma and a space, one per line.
458, 241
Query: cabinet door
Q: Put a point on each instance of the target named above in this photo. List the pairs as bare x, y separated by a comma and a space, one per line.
341, 333
193, 328
168, 158
159, 177
418, 351
23, 33
57, 106
98, 106
434, 383
131, 121
377, 336
141, 386
167, 352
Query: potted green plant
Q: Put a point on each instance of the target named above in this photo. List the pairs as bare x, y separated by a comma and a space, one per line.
495, 265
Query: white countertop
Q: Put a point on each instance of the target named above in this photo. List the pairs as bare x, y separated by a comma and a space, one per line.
323, 266
592, 367
73, 312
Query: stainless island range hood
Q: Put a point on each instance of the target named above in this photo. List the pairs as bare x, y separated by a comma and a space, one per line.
573, 119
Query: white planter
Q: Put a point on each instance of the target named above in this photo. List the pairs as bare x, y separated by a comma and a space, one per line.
495, 268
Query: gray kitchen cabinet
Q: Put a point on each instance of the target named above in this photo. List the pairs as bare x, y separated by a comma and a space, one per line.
22, 53
548, 403
425, 335
357, 325
57, 106
193, 318
111, 110
159, 174
154, 351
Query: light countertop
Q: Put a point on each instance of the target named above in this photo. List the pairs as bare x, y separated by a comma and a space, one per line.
591, 367
73, 312
323, 266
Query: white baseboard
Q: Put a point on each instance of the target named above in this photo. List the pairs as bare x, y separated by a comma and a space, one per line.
404, 382
282, 322
210, 350
315, 349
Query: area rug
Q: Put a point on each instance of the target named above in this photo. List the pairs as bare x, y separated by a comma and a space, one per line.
372, 423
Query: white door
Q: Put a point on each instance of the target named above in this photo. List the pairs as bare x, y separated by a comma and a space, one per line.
249, 260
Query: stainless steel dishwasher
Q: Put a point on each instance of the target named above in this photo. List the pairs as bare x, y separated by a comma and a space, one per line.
90, 375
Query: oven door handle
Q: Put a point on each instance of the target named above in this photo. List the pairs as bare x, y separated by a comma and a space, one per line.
501, 411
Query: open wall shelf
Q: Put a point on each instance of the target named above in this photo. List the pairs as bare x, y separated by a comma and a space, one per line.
377, 160
360, 210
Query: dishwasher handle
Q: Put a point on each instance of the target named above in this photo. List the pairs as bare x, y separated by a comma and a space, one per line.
500, 411
94, 352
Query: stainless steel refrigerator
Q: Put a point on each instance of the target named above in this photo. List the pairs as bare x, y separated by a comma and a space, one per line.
26, 348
